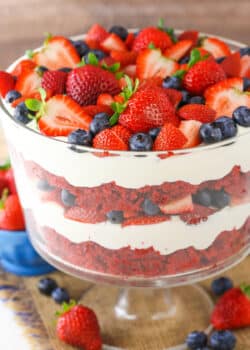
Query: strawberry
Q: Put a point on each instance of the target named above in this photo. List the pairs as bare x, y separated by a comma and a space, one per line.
86, 83
245, 67
58, 52
216, 47
11, 215
202, 75
63, 115
54, 81
178, 206
151, 63
92, 110
169, 138
124, 57
151, 35
202, 113
113, 42
105, 99
175, 96
7, 83
224, 97
95, 36
179, 50
130, 70
190, 35
233, 309
78, 326
115, 138
130, 40
148, 108
191, 129
11, 185
22, 66
144, 220
231, 65
28, 83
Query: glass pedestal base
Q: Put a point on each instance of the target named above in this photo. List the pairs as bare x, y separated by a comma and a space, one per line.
152, 319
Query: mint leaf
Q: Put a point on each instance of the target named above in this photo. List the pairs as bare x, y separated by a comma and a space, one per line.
245, 289
92, 59
195, 57
171, 33
160, 24
114, 119
82, 63
114, 68
151, 46
6, 165
29, 53
179, 73
119, 75
33, 105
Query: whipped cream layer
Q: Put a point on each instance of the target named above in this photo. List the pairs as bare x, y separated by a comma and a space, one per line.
166, 237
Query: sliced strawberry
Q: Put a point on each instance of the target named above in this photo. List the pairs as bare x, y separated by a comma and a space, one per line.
144, 220
231, 65
28, 83
151, 35
63, 115
191, 129
169, 138
216, 47
95, 36
92, 110
130, 70
190, 35
57, 53
178, 206
130, 40
151, 63
224, 97
179, 50
175, 96
203, 52
105, 99
113, 43
125, 58
22, 66
7, 83
115, 138
245, 67
198, 112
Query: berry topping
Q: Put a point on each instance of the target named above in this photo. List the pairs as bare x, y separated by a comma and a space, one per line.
21, 113
220, 285
221, 129
116, 138
245, 51
169, 138
241, 116
191, 130
115, 216
95, 36
7, 83
12, 95
140, 142
200, 100
54, 82
190, 35
28, 83
80, 137
81, 47
113, 42
120, 31
47, 285
154, 132
196, 340
151, 35
223, 340
199, 112
172, 83
227, 126
231, 65
99, 123
216, 47
150, 208
210, 134
67, 198
60, 295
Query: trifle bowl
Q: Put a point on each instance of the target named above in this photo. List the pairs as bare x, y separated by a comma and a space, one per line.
142, 221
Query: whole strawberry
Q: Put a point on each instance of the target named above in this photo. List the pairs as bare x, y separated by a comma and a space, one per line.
169, 138
86, 83
233, 309
11, 214
115, 138
54, 82
202, 75
201, 113
78, 326
151, 35
148, 108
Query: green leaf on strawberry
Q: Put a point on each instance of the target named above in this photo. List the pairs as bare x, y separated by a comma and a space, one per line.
245, 289
168, 30
48, 37
180, 73
33, 104
36, 105
66, 307
195, 57
92, 59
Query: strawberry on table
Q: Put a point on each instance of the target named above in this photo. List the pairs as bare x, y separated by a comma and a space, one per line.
179, 50
28, 83
7, 83
216, 47
169, 138
202, 113
115, 138
152, 35
11, 215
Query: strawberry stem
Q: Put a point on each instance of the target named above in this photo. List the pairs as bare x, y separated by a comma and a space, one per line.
245, 288
66, 307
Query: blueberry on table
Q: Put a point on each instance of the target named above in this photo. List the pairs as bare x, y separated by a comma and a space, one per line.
43, 185
220, 199
65, 69
227, 126
172, 83
154, 132
47, 285
220, 285
196, 340
99, 123
199, 100
81, 47
60, 295
21, 113
140, 142
12, 95
241, 116
150, 208
245, 51
67, 198
203, 197
246, 84
210, 134
222, 340
115, 216
120, 31
80, 137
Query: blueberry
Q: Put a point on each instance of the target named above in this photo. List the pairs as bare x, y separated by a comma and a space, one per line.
12, 95
227, 126
196, 340
220, 59
47, 285
21, 113
41, 70
222, 340
80, 137
154, 132
185, 98
60, 295
98, 53
220, 285
140, 142
150, 208
65, 69
241, 116
172, 83
184, 60
120, 31
115, 216
199, 100
245, 51
203, 197
43, 185
209, 134
99, 123
220, 199
67, 198
81, 47
246, 84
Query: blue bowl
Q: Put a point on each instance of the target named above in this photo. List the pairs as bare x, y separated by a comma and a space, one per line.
19, 257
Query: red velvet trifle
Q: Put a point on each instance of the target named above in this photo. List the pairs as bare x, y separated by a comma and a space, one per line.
130, 151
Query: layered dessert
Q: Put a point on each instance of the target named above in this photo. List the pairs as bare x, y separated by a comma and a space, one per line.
130, 149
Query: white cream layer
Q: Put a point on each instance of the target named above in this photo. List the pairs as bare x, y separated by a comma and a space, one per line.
166, 237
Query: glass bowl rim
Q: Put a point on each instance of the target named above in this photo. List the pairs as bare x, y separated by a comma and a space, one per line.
5, 108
